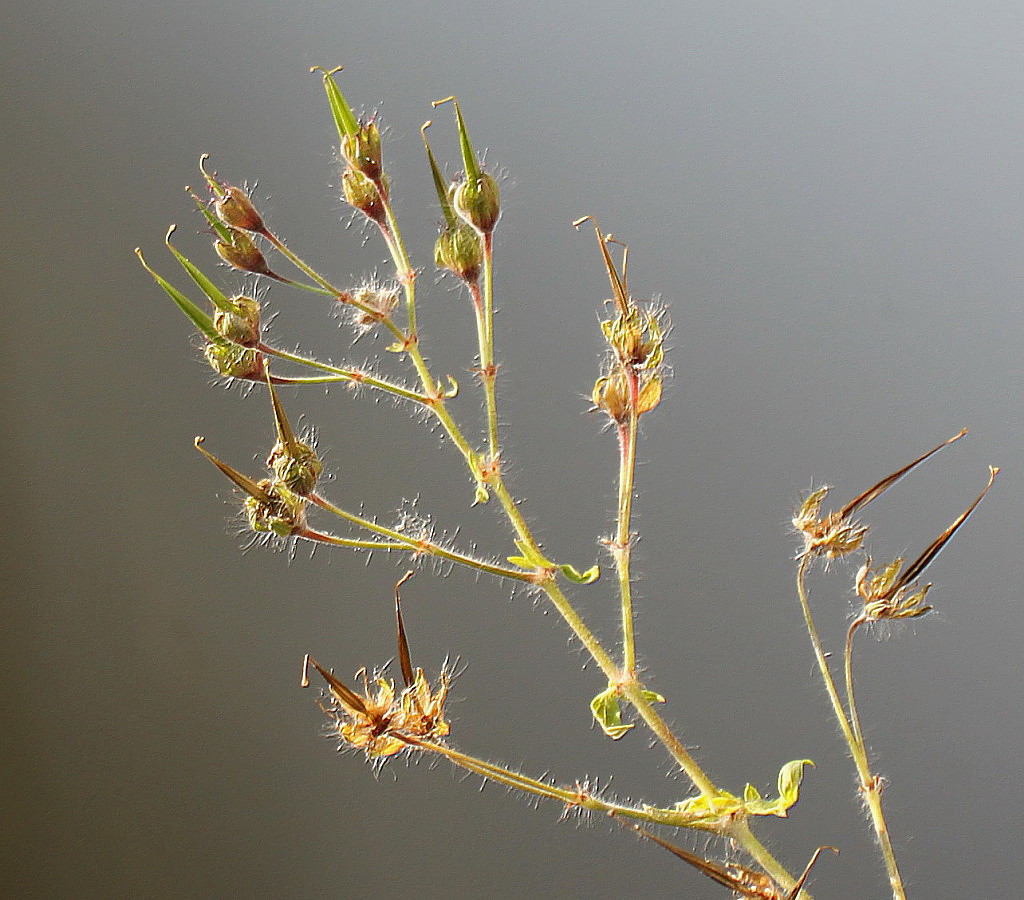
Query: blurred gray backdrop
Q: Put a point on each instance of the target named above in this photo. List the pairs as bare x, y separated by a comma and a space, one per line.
828, 196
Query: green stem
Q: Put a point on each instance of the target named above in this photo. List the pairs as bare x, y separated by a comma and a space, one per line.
354, 376
629, 686
409, 341
419, 545
484, 337
319, 537
325, 286
579, 797
819, 655
848, 667
622, 547
740, 832
487, 368
870, 784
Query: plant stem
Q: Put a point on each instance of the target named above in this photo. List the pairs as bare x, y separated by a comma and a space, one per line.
282, 248
849, 724
627, 683
355, 376
870, 784
741, 833
819, 654
579, 798
622, 546
310, 534
487, 369
417, 545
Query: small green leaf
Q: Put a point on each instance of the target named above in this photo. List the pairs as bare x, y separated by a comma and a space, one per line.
701, 806
577, 577
453, 388
790, 776
652, 696
606, 711
480, 495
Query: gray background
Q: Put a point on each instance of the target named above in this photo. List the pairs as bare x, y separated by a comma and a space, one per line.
829, 196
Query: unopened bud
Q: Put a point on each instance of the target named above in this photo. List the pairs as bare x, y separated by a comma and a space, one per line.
362, 194
362, 150
235, 209
476, 201
241, 326
242, 253
234, 361
458, 249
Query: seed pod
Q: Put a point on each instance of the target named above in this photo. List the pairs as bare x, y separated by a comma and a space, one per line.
476, 201
362, 194
234, 361
459, 250
235, 209
361, 149
279, 511
243, 325
241, 253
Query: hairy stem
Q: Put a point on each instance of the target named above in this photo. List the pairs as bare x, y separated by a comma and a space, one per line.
870, 784
416, 544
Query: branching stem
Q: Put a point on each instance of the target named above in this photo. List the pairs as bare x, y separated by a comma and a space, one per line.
849, 724
870, 784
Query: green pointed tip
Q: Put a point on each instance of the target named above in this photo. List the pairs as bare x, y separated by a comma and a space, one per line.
344, 119
439, 183
198, 318
468, 157
215, 185
219, 228
281, 424
243, 481
215, 296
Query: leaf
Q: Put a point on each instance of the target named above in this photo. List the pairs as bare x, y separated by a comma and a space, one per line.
577, 577
453, 389
605, 707
701, 806
790, 776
